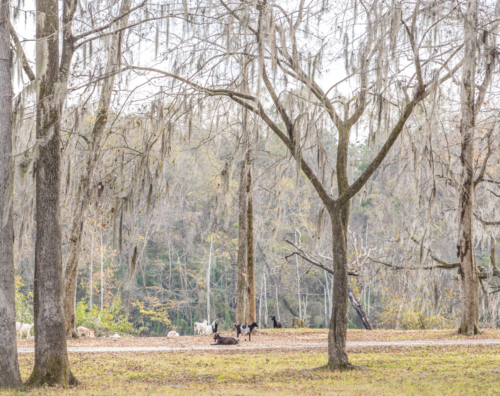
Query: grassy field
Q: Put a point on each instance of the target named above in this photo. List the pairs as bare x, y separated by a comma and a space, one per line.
451, 370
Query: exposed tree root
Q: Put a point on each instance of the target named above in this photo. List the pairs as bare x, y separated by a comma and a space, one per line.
55, 372
463, 330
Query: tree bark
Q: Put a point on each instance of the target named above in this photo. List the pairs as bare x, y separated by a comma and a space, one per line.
252, 314
470, 280
339, 215
51, 357
337, 355
241, 286
10, 376
129, 280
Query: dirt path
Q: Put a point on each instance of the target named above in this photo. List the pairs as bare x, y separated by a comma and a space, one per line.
255, 346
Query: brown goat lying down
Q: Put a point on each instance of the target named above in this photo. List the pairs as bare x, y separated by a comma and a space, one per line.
224, 340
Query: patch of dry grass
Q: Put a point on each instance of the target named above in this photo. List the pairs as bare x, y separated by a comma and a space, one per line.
452, 370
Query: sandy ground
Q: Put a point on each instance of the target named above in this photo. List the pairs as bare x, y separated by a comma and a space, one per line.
277, 339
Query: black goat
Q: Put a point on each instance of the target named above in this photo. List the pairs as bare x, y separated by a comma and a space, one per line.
245, 329
277, 323
224, 340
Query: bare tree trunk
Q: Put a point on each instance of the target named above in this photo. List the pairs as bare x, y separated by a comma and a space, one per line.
252, 316
298, 281
129, 280
493, 262
91, 269
305, 309
241, 287
329, 291
208, 280
102, 278
326, 311
266, 314
9, 365
368, 303
337, 355
470, 280
277, 303
405, 287
260, 302
87, 179
51, 356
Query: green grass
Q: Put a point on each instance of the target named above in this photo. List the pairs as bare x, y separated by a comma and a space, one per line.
417, 371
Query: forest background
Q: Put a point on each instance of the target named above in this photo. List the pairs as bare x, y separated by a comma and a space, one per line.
158, 241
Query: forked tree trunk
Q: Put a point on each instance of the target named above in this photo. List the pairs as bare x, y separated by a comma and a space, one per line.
241, 285
9, 366
470, 280
252, 314
339, 216
51, 355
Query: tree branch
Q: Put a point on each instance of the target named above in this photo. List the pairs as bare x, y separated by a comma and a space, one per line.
313, 261
19, 49
443, 264
396, 131
104, 27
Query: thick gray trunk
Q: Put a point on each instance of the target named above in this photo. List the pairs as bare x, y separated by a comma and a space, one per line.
470, 280
9, 366
51, 356
337, 355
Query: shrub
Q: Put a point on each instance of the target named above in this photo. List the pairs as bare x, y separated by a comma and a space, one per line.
151, 316
109, 321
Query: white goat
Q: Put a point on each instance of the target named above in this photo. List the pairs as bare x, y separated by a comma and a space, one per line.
25, 328
199, 328
212, 329
18, 328
172, 334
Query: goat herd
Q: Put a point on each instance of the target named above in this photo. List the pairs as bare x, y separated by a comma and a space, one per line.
199, 329
202, 328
